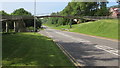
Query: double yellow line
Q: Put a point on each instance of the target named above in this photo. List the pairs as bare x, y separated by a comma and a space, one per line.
72, 59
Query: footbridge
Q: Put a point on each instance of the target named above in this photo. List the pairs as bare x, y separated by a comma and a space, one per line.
19, 23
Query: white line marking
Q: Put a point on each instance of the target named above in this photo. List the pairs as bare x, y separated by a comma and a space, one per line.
77, 39
76, 63
105, 48
108, 49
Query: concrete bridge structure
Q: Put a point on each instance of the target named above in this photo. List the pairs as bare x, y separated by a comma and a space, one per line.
19, 24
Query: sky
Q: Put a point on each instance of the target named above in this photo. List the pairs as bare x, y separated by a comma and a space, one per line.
42, 7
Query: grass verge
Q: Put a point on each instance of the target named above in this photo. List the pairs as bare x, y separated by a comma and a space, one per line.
31, 49
104, 28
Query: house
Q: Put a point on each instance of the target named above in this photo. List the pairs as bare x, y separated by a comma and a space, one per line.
115, 12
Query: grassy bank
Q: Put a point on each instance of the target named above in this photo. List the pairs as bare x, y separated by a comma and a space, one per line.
29, 49
105, 28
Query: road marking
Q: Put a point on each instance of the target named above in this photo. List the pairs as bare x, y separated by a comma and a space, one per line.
108, 49
66, 53
72, 59
102, 47
105, 48
77, 39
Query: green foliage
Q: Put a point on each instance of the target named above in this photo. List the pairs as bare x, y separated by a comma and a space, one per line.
104, 28
29, 22
20, 11
3, 13
30, 28
56, 20
80, 9
86, 9
38, 23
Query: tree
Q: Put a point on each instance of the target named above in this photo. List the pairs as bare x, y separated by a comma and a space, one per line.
3, 13
82, 8
20, 11
103, 11
118, 1
28, 22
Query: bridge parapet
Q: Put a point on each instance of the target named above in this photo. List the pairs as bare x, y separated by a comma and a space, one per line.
15, 17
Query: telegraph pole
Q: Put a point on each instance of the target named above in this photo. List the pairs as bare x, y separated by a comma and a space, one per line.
70, 23
34, 15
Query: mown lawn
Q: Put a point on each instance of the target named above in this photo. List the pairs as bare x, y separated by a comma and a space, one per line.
105, 28
29, 49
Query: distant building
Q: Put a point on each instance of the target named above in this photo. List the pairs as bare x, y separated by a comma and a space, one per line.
115, 12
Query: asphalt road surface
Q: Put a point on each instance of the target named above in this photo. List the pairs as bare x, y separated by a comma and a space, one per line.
87, 50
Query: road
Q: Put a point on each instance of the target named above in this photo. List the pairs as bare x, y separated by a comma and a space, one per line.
87, 50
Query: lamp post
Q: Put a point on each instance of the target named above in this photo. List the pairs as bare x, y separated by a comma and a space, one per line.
34, 16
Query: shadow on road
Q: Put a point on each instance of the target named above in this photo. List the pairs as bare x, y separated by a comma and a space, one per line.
88, 55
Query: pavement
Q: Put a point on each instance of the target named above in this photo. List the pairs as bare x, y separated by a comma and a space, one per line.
86, 50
